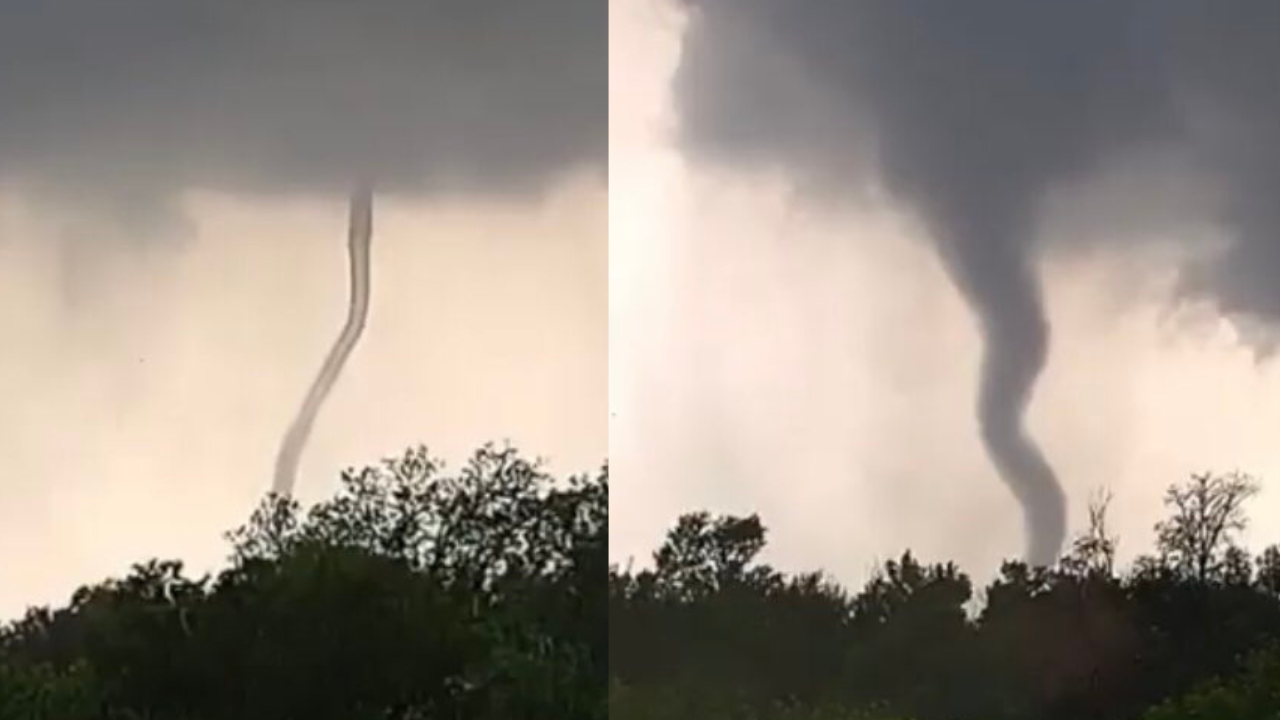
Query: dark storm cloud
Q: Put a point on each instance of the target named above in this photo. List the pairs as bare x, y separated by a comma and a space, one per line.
971, 112
138, 98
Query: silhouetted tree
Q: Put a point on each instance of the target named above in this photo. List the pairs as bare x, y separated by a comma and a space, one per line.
1093, 552
1208, 511
702, 554
1267, 576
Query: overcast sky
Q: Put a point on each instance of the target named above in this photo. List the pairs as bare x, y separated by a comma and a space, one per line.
173, 188
814, 362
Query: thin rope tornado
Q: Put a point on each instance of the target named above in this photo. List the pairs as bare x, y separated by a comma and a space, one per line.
358, 241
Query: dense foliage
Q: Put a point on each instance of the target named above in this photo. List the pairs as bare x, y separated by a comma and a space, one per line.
710, 633
410, 594
415, 593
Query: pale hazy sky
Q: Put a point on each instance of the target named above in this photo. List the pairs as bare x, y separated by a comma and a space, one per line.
820, 369
144, 418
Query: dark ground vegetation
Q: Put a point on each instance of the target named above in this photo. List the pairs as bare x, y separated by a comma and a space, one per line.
1189, 632
412, 593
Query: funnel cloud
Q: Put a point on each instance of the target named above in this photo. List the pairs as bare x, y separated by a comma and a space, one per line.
970, 114
359, 237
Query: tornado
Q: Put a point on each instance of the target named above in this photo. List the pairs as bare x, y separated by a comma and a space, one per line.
971, 114
984, 251
359, 236
1012, 362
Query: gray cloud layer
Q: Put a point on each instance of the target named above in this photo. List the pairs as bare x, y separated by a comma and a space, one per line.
970, 113
135, 98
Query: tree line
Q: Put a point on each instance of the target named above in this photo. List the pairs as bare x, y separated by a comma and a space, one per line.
486, 593
1189, 631
411, 593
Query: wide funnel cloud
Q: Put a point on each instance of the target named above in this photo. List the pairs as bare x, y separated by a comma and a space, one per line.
143, 98
969, 113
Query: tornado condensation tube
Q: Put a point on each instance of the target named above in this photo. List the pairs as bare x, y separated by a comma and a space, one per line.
359, 238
